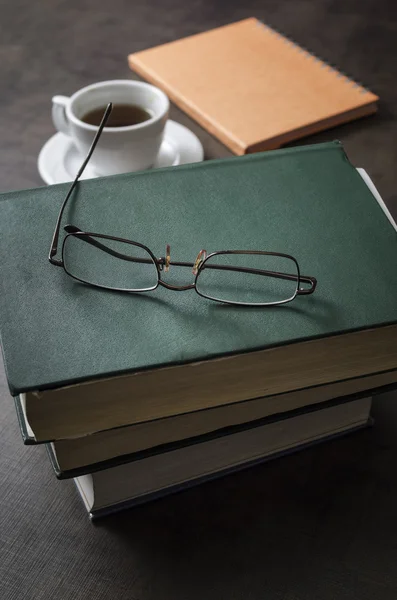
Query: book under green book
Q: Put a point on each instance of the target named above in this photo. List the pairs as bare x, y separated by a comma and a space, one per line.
69, 347
133, 483
132, 442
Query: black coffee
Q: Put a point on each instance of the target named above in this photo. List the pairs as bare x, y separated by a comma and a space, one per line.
122, 115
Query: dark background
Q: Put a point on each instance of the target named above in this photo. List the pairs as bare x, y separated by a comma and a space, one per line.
319, 524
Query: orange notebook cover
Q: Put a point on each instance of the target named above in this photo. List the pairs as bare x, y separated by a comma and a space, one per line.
251, 87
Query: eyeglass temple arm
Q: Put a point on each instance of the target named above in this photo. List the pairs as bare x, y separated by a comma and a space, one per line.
311, 281
55, 237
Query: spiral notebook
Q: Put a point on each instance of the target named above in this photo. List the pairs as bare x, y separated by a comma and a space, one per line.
251, 87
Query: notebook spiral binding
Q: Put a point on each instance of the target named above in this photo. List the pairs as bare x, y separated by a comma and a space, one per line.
309, 54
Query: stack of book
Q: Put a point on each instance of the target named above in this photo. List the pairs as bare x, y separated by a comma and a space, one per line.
137, 395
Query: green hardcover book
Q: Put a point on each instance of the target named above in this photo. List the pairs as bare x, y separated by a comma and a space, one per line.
69, 347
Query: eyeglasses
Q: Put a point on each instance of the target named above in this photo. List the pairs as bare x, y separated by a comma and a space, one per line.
238, 277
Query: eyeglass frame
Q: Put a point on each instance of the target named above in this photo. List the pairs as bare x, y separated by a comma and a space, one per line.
163, 263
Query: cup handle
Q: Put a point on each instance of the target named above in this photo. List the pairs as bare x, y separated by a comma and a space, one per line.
59, 118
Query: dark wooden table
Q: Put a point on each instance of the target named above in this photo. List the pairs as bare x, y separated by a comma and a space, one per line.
319, 524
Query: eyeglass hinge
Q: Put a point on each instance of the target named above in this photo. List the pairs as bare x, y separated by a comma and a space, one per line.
54, 261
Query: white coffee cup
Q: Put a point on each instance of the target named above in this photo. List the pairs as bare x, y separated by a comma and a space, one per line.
120, 149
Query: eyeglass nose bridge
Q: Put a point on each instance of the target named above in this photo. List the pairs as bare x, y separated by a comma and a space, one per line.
201, 256
167, 258
164, 263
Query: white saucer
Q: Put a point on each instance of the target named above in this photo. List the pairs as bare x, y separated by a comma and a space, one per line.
59, 159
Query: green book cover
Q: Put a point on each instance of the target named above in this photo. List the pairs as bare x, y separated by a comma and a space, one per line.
309, 202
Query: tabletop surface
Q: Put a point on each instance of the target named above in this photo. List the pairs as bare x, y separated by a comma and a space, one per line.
318, 524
